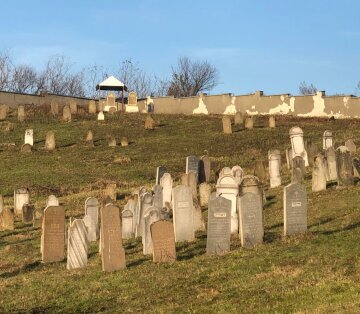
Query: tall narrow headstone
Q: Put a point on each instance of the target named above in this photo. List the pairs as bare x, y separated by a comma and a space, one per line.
53, 234
77, 249
21, 114
160, 171
249, 122
312, 151
110, 192
146, 202
297, 144
204, 169
274, 168
272, 122
112, 251
163, 241
29, 137
327, 140
344, 166
50, 141
350, 145
260, 170
192, 165
166, 182
226, 121
289, 157
319, 174
91, 218
204, 193
219, 226
54, 108
1, 203
152, 215
27, 213
239, 119
331, 163
3, 112
73, 106
298, 169
66, 114
127, 220
158, 196
7, 219
21, 197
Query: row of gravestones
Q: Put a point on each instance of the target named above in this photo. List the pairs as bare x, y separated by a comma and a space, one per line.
243, 122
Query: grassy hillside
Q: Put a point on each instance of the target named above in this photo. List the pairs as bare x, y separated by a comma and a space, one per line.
317, 272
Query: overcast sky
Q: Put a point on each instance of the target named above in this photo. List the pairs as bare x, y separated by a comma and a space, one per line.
256, 45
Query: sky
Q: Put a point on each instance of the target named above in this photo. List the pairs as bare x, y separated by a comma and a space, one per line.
256, 45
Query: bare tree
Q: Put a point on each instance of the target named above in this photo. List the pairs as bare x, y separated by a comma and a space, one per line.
5, 70
307, 89
192, 77
23, 79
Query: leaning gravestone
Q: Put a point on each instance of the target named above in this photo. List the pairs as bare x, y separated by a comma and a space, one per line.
344, 167
295, 209
319, 174
192, 165
29, 137
183, 213
204, 193
204, 169
112, 251
331, 163
21, 197
53, 234
54, 108
27, 213
66, 114
21, 114
226, 121
77, 249
7, 219
163, 241
272, 122
249, 122
91, 218
167, 183
50, 141
92, 107
219, 226
239, 119
251, 220
160, 171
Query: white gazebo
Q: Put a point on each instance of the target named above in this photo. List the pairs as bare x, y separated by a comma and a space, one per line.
112, 84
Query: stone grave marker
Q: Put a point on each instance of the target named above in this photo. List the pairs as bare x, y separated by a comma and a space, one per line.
199, 222
192, 183
289, 157
21, 197
132, 99
3, 112
260, 170
272, 122
239, 119
73, 106
92, 107
312, 151
350, 145
149, 123
251, 220
26, 148
344, 166
159, 173
204, 193
226, 121
183, 213
146, 202
92, 223
192, 165
66, 114
100, 116
77, 249
50, 141
166, 182
204, 169
237, 172
124, 142
7, 219
21, 114
163, 241
29, 137
152, 215
249, 122
319, 174
112, 251
127, 220
110, 191
327, 140
274, 168
53, 234
295, 209
219, 226
298, 169
112, 141
27, 213
1, 203
52, 201
331, 163
38, 217
158, 196
297, 144
54, 108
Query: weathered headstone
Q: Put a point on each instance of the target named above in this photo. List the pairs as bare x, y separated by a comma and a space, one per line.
249, 122
112, 251
331, 163
3, 112
158, 196
225, 171
297, 144
327, 140
239, 119
66, 114
29, 137
27, 213
199, 222
183, 213
7, 219
77, 249
50, 141
192, 183
21, 114
295, 209
110, 191
152, 215
298, 169
344, 166
226, 121
54, 108
251, 220
319, 174
73, 106
163, 241
53, 234
21, 197
149, 123
52, 201
228, 188
272, 122
260, 170
38, 217
124, 142
312, 151
91, 218
237, 172
92, 107
219, 226
146, 201
112, 141
101, 116
204, 169
127, 220
166, 182
26, 148
204, 193
192, 165
89, 139
274, 168
289, 157
350, 145
159, 173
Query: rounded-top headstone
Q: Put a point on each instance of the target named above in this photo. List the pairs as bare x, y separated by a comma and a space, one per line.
295, 131
50, 141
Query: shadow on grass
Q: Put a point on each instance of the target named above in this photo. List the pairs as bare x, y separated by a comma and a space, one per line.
188, 250
25, 269
321, 222
347, 228
270, 237
138, 261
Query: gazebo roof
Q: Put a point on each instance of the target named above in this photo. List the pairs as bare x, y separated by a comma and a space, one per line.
111, 83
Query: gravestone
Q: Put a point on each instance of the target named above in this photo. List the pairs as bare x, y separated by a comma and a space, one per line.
350, 145
21, 114
260, 170
298, 169
29, 137
21, 197
110, 192
289, 157
149, 123
192, 183
228, 188
3, 112
158, 196
274, 168
50, 141
331, 163
184, 180
159, 173
52, 201
199, 222
183, 213
54, 108
192, 165
312, 151
237, 173
127, 220
327, 140
1, 203
226, 121
38, 217
66, 114
204, 193
297, 144
272, 122
53, 234
91, 218
225, 171
319, 174
89, 139
219, 226
204, 169
73, 106
344, 166
77, 249
27, 213
112, 251
249, 122
356, 167
251, 220
146, 201
7, 219
295, 209
92, 107
100, 116
152, 215
163, 241
112, 141
26, 148
239, 119
132, 98
166, 182
124, 142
